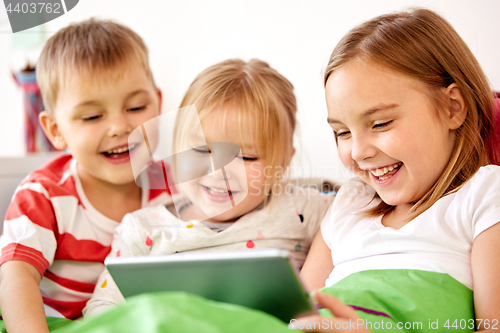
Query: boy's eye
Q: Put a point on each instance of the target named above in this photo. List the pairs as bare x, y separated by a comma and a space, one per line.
137, 108
382, 125
90, 118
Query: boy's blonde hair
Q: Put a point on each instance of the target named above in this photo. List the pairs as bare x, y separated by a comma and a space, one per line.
264, 103
422, 45
91, 47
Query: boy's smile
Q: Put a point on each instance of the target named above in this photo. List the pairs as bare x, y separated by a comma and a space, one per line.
94, 116
388, 131
120, 154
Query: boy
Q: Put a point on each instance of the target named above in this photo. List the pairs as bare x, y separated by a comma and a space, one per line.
97, 87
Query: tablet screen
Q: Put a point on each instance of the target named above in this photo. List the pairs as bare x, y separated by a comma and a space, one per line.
259, 279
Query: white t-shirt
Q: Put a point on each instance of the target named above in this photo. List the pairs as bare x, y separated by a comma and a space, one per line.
440, 239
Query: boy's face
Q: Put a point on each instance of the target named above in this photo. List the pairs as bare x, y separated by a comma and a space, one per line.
94, 116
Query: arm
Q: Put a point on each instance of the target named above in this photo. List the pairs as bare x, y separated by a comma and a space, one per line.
20, 298
485, 260
318, 264
27, 247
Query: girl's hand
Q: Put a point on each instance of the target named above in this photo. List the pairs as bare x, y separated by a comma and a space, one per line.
346, 320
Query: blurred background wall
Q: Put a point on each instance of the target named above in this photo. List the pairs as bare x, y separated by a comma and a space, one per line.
294, 36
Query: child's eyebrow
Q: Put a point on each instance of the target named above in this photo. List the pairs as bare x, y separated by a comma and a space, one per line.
332, 121
137, 92
96, 103
369, 112
86, 103
377, 108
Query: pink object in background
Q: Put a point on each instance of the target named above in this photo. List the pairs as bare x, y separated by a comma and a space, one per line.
494, 143
35, 138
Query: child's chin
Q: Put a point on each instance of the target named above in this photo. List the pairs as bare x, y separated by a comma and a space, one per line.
390, 200
221, 215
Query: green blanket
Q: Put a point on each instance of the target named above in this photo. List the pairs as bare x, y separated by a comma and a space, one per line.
407, 300
395, 300
178, 312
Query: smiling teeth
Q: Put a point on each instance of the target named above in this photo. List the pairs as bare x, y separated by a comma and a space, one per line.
120, 150
382, 171
216, 190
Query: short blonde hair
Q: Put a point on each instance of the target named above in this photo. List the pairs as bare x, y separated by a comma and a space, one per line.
420, 44
87, 48
264, 100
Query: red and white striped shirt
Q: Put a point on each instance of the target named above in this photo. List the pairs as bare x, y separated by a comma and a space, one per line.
51, 224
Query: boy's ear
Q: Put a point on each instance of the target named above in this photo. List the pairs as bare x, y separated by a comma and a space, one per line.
457, 108
160, 99
50, 128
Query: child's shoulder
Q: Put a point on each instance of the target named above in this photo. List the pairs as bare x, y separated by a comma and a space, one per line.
476, 202
54, 177
53, 170
153, 212
487, 175
152, 217
482, 187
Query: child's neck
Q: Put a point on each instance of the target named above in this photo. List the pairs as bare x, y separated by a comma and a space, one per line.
113, 201
190, 212
396, 218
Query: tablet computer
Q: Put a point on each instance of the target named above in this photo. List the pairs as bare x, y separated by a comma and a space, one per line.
263, 279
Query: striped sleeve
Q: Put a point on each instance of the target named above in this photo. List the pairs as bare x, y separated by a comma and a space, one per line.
29, 228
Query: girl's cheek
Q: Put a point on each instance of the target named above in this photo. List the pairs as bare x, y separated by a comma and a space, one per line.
349, 163
255, 173
345, 157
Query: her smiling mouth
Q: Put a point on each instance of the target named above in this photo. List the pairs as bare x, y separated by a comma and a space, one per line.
386, 172
217, 190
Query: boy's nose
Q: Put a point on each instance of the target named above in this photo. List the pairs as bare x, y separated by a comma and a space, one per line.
362, 148
119, 126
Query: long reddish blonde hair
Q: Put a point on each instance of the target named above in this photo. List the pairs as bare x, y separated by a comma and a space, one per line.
422, 45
